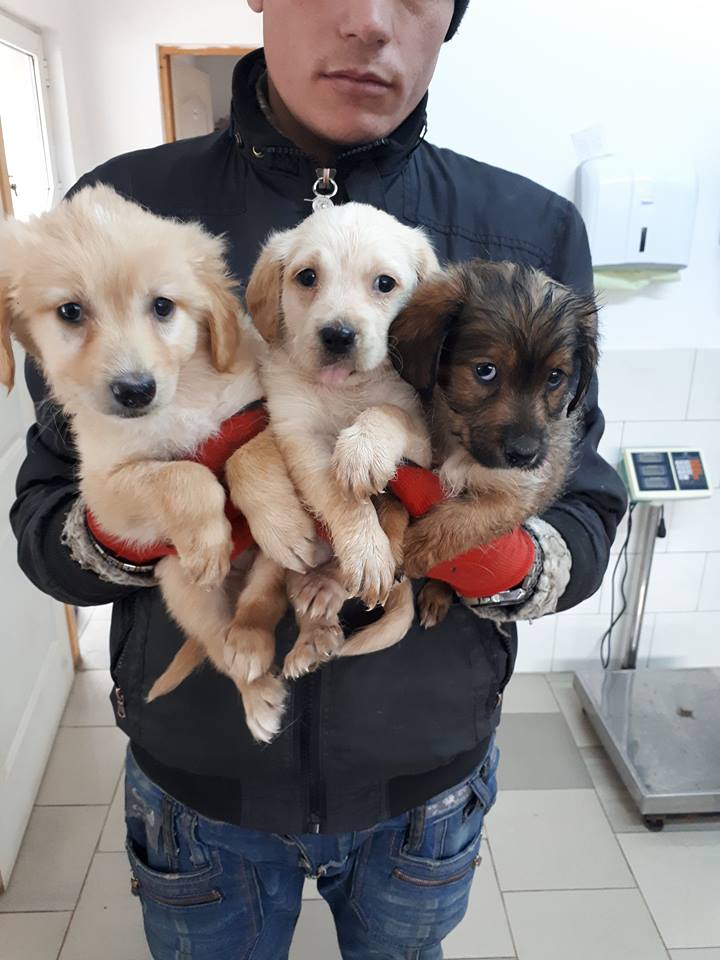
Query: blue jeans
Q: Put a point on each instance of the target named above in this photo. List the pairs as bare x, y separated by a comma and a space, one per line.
214, 891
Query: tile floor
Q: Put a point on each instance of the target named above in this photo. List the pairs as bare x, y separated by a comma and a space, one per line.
568, 873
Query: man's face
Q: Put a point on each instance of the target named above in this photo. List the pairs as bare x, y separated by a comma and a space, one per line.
352, 70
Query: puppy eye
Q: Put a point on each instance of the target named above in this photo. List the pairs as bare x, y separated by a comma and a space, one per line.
555, 379
163, 308
70, 312
486, 372
384, 283
307, 277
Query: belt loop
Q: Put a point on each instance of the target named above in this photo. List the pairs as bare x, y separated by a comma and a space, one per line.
188, 830
416, 830
167, 830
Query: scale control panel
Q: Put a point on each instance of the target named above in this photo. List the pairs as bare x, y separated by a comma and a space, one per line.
661, 473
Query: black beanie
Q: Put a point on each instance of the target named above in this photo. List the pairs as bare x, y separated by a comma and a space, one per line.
459, 12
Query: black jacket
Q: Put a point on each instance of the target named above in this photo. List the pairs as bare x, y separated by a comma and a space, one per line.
370, 737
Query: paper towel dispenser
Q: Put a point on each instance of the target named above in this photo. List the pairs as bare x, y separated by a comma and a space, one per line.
639, 211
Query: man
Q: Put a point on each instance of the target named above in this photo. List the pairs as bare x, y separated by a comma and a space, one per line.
379, 784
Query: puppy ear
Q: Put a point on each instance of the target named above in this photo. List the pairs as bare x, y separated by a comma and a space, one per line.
263, 290
419, 331
223, 321
426, 263
7, 358
222, 314
10, 233
587, 350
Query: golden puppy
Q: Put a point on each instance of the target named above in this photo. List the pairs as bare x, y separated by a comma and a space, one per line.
323, 296
502, 356
140, 338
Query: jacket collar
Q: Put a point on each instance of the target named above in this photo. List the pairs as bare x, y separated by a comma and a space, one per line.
262, 142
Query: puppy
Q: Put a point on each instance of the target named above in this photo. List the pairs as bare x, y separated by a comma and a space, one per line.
323, 296
139, 335
502, 357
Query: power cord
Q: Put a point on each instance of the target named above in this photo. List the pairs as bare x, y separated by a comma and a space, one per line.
606, 641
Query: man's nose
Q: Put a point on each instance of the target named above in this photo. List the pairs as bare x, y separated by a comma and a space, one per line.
367, 21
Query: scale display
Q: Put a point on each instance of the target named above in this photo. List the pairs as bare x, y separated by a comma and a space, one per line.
665, 474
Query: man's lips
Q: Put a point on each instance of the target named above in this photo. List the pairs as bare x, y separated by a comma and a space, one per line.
354, 81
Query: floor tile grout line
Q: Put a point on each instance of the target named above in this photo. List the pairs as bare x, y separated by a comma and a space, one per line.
44, 805
502, 897
568, 889
637, 882
87, 726
90, 862
15, 913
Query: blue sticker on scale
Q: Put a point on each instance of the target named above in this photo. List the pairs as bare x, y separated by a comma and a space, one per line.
653, 471
689, 470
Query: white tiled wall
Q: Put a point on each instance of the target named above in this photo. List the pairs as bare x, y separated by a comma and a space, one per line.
654, 398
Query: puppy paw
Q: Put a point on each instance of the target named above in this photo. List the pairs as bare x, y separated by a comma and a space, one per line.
264, 703
369, 571
426, 544
248, 653
317, 643
434, 602
319, 596
205, 552
362, 465
288, 537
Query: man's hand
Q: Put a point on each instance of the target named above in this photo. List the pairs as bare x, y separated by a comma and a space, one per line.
481, 572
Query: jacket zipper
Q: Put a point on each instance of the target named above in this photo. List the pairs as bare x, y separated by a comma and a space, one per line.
310, 750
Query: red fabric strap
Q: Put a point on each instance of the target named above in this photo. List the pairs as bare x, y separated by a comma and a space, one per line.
214, 454
480, 572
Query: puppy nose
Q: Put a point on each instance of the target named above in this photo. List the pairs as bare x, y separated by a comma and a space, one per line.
338, 339
522, 451
134, 390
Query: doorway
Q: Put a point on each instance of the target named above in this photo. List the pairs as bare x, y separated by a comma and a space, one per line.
35, 660
195, 88
23, 116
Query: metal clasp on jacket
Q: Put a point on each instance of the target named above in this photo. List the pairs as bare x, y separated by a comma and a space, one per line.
324, 189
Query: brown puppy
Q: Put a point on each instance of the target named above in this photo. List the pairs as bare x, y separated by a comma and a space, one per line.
502, 357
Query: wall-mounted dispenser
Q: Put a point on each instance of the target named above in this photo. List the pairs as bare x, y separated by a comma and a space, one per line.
639, 211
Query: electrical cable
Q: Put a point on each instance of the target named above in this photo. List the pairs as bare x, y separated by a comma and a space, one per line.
606, 640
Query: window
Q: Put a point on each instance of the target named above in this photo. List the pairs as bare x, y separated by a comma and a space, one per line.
23, 119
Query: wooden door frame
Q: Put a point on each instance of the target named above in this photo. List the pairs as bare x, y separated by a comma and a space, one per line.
5, 191
188, 50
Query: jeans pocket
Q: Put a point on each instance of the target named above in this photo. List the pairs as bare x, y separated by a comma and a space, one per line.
406, 902
451, 823
195, 888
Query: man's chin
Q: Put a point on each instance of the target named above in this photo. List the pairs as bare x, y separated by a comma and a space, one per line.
364, 128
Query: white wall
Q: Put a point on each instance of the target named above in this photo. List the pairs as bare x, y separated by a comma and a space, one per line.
519, 79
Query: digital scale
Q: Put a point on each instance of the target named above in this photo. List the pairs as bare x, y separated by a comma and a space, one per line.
660, 728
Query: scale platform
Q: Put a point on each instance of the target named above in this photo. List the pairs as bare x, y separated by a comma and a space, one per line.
661, 729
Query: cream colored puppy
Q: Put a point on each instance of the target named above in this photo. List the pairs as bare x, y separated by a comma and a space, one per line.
323, 295
143, 343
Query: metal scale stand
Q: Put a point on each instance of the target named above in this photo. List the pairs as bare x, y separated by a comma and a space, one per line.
660, 728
